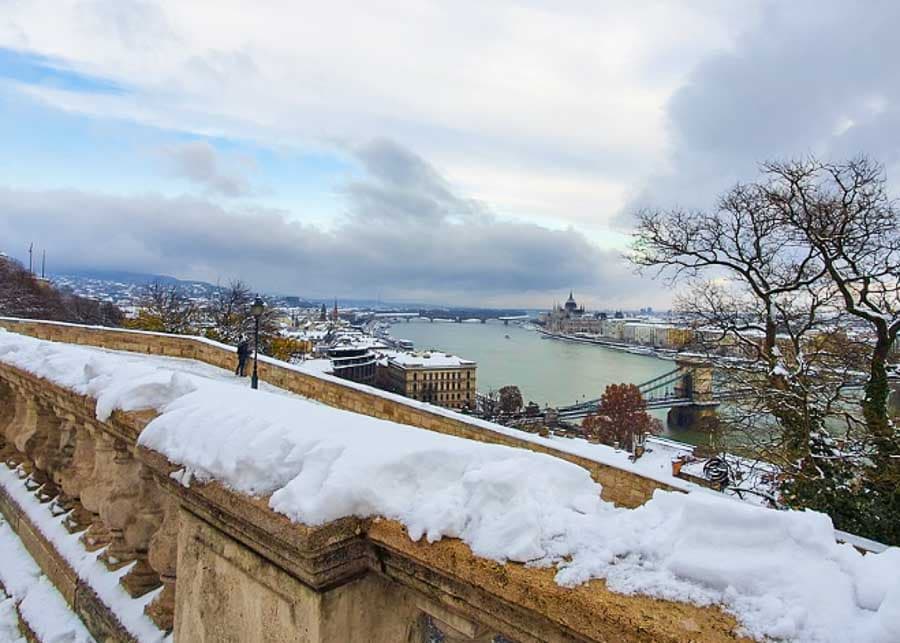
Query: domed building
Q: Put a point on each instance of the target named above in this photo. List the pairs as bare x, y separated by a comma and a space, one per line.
571, 306
571, 318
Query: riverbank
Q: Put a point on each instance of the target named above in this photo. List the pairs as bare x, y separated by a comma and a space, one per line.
650, 351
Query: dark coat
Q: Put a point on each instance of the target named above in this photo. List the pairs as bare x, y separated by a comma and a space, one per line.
243, 349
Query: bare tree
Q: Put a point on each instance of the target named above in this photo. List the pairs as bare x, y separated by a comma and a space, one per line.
164, 308
776, 274
844, 213
229, 318
746, 275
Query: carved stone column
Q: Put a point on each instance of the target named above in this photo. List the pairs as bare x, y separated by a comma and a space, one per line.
7, 411
64, 461
146, 521
44, 449
95, 492
120, 506
77, 476
163, 558
11, 455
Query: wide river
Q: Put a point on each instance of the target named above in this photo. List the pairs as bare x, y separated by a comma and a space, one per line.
547, 371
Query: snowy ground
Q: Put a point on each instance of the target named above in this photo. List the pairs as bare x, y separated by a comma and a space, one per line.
39, 603
781, 572
130, 612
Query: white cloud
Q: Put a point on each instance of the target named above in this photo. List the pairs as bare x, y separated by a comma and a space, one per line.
519, 89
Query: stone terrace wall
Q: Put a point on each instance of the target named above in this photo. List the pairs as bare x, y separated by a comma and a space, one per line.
622, 487
222, 566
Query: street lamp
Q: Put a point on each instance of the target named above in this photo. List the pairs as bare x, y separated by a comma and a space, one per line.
256, 309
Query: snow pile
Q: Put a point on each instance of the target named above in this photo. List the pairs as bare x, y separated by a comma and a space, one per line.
39, 602
781, 573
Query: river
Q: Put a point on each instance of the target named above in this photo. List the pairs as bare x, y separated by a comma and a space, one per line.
547, 371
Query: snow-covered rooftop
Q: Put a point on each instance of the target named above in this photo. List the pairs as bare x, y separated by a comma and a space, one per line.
429, 359
782, 573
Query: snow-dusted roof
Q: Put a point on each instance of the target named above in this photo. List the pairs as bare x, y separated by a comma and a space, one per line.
432, 359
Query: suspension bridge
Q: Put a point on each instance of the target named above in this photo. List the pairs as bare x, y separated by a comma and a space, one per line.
688, 386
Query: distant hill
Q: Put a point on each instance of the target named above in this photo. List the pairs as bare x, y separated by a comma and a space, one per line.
121, 276
124, 288
22, 294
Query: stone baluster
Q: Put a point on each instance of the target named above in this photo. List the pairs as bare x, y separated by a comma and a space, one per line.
64, 461
94, 494
77, 476
7, 410
24, 438
12, 456
43, 449
163, 557
120, 508
146, 521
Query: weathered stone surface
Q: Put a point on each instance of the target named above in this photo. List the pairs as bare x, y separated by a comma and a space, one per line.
526, 603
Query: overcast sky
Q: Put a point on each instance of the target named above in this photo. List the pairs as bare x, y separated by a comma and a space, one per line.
470, 153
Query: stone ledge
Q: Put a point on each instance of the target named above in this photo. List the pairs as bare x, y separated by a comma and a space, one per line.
320, 557
509, 596
524, 602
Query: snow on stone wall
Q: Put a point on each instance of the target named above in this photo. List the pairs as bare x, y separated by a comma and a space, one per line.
781, 573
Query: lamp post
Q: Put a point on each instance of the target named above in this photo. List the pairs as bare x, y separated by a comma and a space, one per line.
256, 309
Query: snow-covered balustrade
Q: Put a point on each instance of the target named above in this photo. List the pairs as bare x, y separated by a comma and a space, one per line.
162, 494
629, 488
140, 545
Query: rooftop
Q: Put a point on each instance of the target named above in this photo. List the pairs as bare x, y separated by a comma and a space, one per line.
433, 359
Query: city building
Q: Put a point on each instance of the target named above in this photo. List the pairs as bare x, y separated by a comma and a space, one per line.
355, 363
435, 377
571, 318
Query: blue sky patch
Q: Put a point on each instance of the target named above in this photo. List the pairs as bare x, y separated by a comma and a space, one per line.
39, 70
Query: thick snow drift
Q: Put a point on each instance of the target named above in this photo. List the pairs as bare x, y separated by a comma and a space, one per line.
781, 573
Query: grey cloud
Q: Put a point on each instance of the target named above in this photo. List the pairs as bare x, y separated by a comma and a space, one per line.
810, 78
402, 187
200, 163
401, 238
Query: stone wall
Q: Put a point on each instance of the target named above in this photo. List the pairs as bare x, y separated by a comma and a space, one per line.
224, 567
619, 486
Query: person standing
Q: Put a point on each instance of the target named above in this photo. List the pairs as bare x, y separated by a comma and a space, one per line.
243, 353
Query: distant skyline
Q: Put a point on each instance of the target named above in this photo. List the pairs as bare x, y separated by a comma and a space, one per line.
463, 153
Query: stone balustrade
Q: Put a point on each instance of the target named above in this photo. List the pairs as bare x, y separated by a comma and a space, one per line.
223, 566
624, 488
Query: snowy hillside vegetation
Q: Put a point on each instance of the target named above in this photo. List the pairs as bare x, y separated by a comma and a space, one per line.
780, 572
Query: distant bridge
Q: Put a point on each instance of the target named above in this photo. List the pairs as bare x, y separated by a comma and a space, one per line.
457, 315
689, 384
